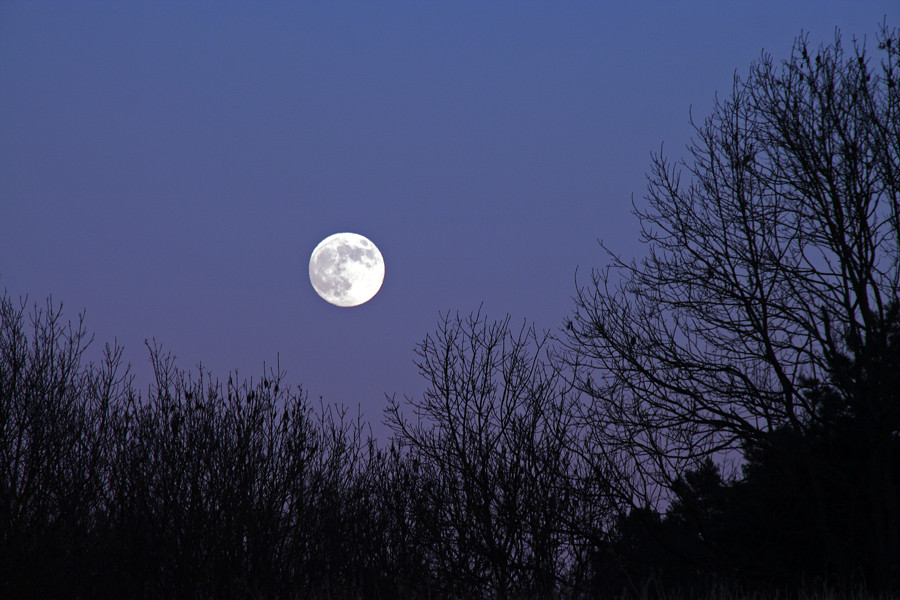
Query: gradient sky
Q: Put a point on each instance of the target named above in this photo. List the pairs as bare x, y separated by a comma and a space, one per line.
169, 167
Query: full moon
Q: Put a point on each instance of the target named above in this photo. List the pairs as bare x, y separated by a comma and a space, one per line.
346, 269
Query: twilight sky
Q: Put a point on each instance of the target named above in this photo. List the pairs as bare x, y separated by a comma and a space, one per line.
168, 167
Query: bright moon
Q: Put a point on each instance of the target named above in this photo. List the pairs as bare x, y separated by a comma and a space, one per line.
346, 269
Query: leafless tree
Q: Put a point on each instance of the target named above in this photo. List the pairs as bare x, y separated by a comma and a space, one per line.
54, 441
490, 447
198, 488
774, 247
239, 487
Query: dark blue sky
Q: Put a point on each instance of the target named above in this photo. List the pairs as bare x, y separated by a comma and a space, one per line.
169, 167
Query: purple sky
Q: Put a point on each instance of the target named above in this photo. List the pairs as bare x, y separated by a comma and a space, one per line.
169, 167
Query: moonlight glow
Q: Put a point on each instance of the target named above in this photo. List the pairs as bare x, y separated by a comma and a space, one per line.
346, 269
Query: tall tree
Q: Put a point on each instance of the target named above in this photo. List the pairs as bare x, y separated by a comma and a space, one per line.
773, 248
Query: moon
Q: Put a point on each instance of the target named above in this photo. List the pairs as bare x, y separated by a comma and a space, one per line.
346, 269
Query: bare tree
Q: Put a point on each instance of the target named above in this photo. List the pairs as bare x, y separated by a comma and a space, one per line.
55, 436
489, 445
774, 247
200, 488
237, 487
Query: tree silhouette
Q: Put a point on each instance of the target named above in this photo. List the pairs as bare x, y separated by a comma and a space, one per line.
765, 529
773, 251
54, 432
199, 489
492, 434
724, 412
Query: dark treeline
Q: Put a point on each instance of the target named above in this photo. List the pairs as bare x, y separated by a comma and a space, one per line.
720, 418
